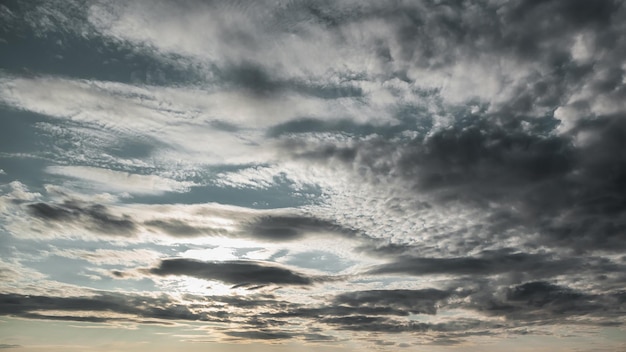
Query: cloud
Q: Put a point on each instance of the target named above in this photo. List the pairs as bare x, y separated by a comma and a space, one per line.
393, 326
412, 301
266, 226
259, 335
95, 217
94, 112
520, 173
110, 256
366, 311
39, 306
541, 301
291, 227
486, 264
179, 228
270, 334
372, 303
274, 227
254, 80
233, 272
20, 193
120, 182
70, 214
112, 306
462, 159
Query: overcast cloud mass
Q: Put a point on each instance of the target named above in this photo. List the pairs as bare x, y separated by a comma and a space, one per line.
313, 175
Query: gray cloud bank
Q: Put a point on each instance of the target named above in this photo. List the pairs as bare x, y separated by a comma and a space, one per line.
573, 195
234, 272
525, 305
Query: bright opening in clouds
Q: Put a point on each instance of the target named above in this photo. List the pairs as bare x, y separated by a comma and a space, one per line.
313, 175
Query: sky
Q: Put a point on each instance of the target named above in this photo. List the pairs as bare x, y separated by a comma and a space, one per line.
315, 176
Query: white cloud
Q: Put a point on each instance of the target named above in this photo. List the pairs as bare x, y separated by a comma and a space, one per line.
178, 119
14, 191
261, 177
120, 182
229, 34
20, 191
111, 256
307, 50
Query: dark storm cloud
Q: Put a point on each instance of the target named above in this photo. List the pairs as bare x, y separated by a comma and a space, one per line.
514, 266
269, 334
233, 272
334, 310
528, 40
541, 302
259, 335
550, 45
102, 308
142, 309
93, 216
224, 126
438, 35
411, 301
97, 217
321, 153
387, 325
259, 82
308, 125
526, 304
179, 228
292, 227
518, 171
273, 228
33, 306
523, 305
488, 263
376, 315
567, 185
373, 303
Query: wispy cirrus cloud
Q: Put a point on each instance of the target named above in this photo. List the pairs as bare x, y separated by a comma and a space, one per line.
120, 182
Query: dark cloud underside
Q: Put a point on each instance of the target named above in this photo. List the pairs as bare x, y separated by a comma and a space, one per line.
573, 195
233, 272
94, 216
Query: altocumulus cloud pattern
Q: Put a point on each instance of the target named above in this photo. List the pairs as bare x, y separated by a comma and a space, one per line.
313, 175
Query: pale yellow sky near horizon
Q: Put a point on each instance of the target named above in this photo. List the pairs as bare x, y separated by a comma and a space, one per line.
23, 335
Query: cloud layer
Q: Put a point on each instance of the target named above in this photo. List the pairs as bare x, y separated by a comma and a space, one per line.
318, 174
